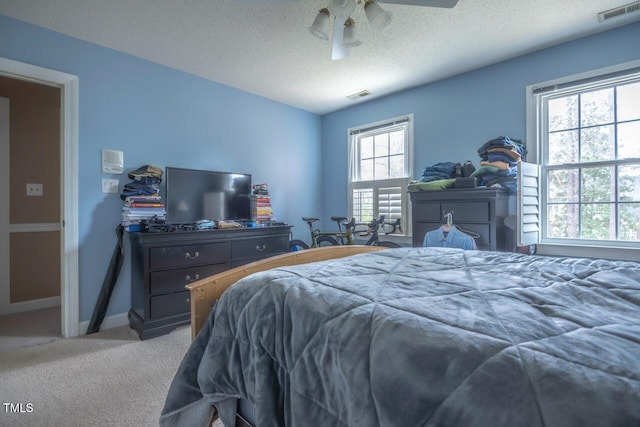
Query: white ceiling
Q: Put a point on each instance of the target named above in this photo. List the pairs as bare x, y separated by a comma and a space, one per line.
264, 47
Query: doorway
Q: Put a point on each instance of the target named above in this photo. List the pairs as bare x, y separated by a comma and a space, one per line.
67, 222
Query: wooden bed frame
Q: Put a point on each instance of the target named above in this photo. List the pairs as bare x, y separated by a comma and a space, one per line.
205, 291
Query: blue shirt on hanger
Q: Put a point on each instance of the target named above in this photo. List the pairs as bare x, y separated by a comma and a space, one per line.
453, 238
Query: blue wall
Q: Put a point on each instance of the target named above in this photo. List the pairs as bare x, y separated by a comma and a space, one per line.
165, 117
161, 116
455, 116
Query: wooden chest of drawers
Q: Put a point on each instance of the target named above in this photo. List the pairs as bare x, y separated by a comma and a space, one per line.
479, 210
163, 263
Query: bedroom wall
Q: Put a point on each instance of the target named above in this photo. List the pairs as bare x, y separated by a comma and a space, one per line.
161, 116
454, 117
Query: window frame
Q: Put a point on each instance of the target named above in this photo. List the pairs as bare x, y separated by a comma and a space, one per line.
536, 132
403, 182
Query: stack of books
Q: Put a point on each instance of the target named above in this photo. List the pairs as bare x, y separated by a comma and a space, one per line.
137, 208
261, 204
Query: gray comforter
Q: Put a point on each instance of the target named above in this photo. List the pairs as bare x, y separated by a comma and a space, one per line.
421, 337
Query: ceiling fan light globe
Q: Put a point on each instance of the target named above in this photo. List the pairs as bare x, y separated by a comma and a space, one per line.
320, 25
342, 8
350, 38
377, 17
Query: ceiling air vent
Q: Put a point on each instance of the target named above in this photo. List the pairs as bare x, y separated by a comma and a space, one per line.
361, 94
619, 11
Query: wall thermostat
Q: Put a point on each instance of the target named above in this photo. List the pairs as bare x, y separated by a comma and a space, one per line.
112, 161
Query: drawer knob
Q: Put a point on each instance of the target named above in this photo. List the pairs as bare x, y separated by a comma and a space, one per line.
189, 279
195, 255
260, 248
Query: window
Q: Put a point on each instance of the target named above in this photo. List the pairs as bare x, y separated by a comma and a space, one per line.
379, 171
588, 134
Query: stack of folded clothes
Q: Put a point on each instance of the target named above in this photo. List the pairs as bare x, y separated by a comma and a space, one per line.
142, 200
443, 175
146, 182
444, 170
499, 162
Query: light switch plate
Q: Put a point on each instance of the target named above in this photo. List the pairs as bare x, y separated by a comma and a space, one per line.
34, 189
109, 185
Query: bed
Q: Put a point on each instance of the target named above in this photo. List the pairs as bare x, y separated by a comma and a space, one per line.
414, 337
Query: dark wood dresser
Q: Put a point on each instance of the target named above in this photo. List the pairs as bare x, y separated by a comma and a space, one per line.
163, 263
480, 210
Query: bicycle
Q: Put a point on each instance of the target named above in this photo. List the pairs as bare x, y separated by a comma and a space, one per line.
372, 229
319, 238
390, 227
326, 238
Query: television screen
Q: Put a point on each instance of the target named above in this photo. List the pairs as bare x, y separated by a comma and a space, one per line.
192, 195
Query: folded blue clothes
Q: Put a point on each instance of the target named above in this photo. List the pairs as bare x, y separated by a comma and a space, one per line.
442, 170
445, 167
148, 180
499, 157
508, 182
489, 175
145, 191
505, 142
434, 176
139, 188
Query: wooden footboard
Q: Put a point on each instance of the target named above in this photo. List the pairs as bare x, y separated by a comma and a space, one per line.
205, 291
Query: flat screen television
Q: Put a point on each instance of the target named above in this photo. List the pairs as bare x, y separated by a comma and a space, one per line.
191, 195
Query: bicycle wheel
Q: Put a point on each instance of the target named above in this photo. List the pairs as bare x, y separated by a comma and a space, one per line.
326, 241
297, 245
388, 244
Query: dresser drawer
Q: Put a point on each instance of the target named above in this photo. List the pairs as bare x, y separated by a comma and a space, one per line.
259, 247
427, 211
169, 304
188, 255
162, 282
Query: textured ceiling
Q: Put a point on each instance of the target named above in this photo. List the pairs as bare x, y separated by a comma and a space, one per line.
264, 47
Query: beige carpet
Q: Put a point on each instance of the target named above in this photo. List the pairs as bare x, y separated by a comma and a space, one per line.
106, 379
30, 328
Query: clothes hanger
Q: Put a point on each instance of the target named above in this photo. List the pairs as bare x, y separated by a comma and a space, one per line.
446, 227
448, 217
470, 233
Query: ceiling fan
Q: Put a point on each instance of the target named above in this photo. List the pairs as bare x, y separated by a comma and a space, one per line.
344, 32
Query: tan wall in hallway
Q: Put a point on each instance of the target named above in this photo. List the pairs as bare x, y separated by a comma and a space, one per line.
35, 265
34, 158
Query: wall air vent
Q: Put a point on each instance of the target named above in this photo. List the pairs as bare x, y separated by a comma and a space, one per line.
359, 95
619, 11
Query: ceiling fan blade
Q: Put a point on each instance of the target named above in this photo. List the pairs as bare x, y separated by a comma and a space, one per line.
338, 51
429, 3
254, 2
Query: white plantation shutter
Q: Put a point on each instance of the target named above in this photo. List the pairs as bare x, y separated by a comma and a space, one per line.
528, 206
390, 202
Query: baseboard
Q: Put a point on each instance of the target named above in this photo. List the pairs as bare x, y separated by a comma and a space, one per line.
109, 322
32, 305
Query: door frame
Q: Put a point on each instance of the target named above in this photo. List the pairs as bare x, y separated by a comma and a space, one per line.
68, 84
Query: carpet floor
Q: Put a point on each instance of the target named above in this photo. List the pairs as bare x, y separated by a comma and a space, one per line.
106, 379
30, 328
